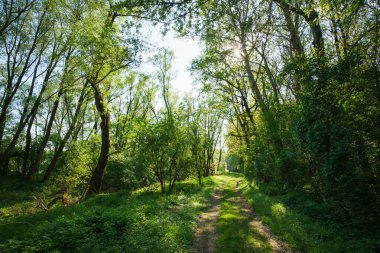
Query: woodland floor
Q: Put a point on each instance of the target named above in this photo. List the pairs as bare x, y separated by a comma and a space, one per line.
225, 214
229, 218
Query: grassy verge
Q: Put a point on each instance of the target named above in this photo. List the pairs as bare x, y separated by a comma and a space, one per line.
233, 229
305, 224
142, 221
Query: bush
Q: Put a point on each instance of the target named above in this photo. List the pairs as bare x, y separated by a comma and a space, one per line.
126, 173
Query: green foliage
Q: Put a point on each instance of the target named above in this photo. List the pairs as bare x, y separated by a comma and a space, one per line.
127, 173
326, 140
73, 170
119, 173
335, 132
164, 149
234, 163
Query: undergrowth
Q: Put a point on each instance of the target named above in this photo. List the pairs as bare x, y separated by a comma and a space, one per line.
142, 221
306, 225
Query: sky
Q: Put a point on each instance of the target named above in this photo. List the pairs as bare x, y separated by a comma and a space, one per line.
185, 50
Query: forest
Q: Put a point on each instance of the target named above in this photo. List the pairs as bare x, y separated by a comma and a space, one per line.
276, 150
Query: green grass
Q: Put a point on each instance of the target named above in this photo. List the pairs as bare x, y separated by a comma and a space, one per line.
16, 196
148, 221
233, 229
304, 224
142, 221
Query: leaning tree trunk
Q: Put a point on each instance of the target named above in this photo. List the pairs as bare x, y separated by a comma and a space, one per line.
97, 174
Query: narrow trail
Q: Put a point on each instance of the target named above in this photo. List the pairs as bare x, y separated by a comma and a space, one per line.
239, 228
205, 234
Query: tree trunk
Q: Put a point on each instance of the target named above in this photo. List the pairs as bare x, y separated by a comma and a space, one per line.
312, 20
3, 116
97, 175
295, 39
28, 142
254, 87
199, 176
316, 30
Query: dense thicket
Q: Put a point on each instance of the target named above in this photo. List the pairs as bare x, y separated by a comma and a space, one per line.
303, 82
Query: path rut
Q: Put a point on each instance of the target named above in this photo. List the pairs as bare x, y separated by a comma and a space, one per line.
277, 245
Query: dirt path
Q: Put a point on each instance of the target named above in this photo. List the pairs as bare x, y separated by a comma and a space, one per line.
205, 234
276, 245
261, 239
